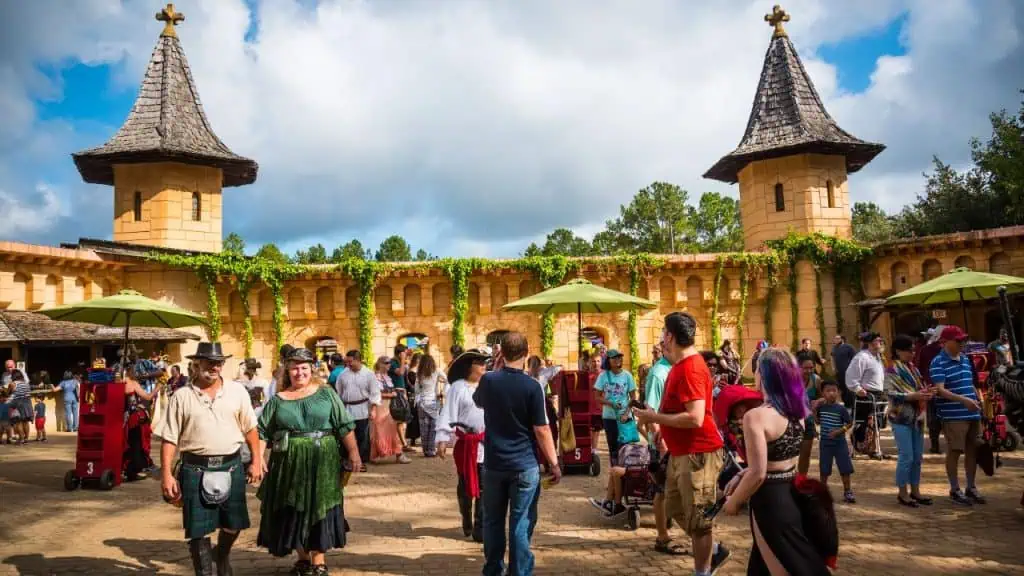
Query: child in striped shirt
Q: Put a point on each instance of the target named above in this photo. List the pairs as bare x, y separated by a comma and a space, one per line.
835, 421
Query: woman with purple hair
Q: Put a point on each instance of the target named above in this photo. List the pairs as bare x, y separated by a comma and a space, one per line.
772, 435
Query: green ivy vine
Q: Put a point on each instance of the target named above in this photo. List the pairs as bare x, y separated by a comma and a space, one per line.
841, 257
824, 252
716, 336
819, 313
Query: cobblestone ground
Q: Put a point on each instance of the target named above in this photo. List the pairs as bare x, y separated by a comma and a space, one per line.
404, 521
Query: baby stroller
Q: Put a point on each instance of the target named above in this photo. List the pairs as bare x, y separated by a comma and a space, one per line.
1008, 381
638, 483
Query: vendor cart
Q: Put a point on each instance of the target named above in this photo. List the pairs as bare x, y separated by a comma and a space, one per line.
98, 458
576, 394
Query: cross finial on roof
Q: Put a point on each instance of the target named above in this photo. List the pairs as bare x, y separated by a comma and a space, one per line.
776, 18
170, 18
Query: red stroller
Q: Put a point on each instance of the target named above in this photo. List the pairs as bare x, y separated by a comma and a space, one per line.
576, 394
732, 402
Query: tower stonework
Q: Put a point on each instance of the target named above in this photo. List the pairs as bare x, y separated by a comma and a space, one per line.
166, 165
793, 161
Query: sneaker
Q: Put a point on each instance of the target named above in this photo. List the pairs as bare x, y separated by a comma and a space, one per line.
849, 497
602, 505
403, 459
973, 495
719, 558
958, 497
617, 510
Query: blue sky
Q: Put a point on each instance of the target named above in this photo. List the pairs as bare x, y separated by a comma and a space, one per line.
479, 127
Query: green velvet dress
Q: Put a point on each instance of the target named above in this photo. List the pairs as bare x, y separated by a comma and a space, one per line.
301, 496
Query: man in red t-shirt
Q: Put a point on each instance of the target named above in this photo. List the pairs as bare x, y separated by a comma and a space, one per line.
687, 428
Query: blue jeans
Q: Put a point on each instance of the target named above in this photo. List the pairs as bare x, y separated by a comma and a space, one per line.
71, 415
513, 495
910, 444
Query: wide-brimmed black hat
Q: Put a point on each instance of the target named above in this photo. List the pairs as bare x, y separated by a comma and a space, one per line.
459, 368
301, 356
211, 351
252, 364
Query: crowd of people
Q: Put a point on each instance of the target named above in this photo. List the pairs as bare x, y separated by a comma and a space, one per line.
711, 443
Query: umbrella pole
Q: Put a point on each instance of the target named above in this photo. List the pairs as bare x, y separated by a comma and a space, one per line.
124, 348
579, 331
963, 310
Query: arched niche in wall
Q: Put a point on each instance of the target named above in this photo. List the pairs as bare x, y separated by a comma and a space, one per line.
296, 303
382, 302
931, 269
325, 303
411, 296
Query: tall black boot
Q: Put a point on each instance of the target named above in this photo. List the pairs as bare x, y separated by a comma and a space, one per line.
202, 556
225, 540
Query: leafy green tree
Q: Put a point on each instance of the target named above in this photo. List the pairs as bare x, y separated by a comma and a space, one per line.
952, 202
234, 244
314, 255
717, 225
988, 195
656, 220
871, 224
1000, 162
608, 243
271, 252
353, 249
562, 242
394, 249
423, 256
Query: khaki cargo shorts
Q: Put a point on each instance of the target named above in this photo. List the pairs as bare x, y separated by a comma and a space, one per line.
961, 433
690, 489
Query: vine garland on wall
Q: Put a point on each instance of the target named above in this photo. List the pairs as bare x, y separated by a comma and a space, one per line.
841, 257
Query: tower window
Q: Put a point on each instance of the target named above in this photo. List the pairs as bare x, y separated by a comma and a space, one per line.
197, 207
780, 198
137, 206
831, 194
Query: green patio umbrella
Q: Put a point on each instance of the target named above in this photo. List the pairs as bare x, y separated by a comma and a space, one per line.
579, 296
126, 308
959, 285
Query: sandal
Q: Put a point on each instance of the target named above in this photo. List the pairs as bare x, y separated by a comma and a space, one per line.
908, 503
667, 547
922, 500
301, 568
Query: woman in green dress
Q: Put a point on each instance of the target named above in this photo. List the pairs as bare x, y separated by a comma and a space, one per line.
301, 505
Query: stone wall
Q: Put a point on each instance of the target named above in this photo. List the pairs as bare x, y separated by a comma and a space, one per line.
168, 204
814, 198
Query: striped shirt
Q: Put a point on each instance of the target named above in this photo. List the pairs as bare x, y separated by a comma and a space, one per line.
832, 417
957, 376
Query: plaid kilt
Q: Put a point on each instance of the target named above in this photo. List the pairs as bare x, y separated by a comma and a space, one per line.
198, 519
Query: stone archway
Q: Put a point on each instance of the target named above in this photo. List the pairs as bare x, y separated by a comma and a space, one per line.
415, 341
494, 337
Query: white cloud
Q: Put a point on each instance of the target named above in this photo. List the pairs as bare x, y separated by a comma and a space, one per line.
474, 127
36, 213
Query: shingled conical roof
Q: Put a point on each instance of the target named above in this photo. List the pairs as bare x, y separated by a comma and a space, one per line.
788, 116
167, 122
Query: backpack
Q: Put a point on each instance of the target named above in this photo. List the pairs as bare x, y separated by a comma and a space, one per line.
400, 406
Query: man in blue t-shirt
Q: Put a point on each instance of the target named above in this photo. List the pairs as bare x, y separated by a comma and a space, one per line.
516, 422
957, 403
615, 388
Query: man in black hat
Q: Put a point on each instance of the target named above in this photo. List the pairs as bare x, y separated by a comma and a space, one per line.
207, 422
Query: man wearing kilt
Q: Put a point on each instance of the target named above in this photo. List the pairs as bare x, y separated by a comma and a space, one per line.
207, 423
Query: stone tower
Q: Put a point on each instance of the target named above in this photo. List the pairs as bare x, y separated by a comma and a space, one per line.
166, 165
793, 160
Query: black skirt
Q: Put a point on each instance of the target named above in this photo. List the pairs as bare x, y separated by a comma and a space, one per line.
286, 535
779, 518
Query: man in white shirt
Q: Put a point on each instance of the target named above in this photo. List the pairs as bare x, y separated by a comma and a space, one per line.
360, 392
468, 453
865, 378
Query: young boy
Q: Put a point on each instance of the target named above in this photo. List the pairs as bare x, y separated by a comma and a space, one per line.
835, 422
631, 453
40, 410
5, 419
